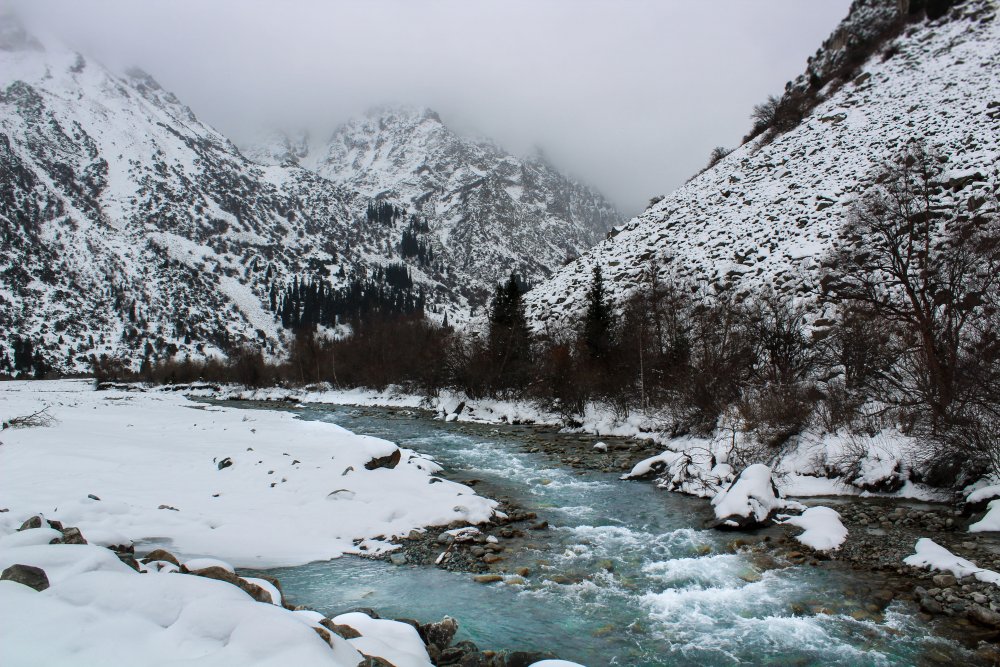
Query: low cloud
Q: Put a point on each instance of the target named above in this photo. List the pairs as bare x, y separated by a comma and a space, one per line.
629, 96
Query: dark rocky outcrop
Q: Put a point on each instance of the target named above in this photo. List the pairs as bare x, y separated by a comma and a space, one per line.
28, 575
388, 461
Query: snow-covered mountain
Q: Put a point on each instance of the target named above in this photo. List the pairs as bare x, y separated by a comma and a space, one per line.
487, 212
766, 214
129, 227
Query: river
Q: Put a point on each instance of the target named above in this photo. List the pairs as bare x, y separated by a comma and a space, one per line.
626, 575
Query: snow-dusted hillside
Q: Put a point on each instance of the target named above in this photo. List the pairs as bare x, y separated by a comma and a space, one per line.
127, 223
489, 213
765, 215
129, 227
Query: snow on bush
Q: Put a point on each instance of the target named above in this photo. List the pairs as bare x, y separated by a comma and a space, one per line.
749, 500
931, 555
823, 528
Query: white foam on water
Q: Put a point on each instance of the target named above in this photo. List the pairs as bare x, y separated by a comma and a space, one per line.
575, 511
618, 541
704, 571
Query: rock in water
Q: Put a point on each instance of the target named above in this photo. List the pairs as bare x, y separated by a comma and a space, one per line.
29, 575
750, 501
440, 634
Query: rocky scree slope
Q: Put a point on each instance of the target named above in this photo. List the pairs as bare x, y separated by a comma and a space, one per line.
765, 215
130, 228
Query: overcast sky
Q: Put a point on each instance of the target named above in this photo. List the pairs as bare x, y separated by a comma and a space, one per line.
628, 95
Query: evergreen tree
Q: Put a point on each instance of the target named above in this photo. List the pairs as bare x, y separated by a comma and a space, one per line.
598, 327
509, 340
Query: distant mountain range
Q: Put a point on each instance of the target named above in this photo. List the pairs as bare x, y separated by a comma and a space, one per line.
130, 228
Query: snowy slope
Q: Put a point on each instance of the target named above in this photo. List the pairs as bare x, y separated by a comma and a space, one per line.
127, 223
764, 216
489, 212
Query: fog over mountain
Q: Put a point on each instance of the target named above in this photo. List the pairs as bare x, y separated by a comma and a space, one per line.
627, 96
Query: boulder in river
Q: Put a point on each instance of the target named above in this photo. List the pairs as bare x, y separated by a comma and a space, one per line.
440, 634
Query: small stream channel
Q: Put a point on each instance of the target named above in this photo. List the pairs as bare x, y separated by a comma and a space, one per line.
625, 575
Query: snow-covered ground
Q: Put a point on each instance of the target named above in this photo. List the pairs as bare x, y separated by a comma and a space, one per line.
257, 488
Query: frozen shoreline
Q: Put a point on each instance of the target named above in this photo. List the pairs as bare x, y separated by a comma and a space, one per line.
866, 466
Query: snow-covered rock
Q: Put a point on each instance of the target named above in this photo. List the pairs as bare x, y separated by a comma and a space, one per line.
933, 556
398, 643
822, 528
750, 501
990, 522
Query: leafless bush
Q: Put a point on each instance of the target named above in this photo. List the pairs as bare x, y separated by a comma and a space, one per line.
40, 418
774, 414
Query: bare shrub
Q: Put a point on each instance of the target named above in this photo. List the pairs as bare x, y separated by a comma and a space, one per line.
774, 414
35, 419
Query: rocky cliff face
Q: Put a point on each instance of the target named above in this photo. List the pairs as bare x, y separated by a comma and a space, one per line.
766, 215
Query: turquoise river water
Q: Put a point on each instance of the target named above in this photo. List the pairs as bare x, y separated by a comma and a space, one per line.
638, 580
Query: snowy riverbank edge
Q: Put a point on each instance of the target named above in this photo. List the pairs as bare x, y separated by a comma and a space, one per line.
811, 464
206, 481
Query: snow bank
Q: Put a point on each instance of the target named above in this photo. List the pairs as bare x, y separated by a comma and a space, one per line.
990, 522
823, 528
99, 611
256, 488
859, 464
931, 555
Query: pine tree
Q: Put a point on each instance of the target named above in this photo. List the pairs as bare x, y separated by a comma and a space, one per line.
598, 327
509, 339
